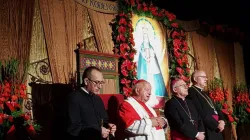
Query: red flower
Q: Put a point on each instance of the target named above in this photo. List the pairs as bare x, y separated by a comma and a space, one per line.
127, 91
10, 118
131, 40
248, 110
153, 10
177, 43
124, 55
185, 46
31, 130
182, 33
230, 118
124, 72
132, 2
170, 16
184, 78
161, 13
179, 61
175, 34
122, 15
120, 37
139, 6
1, 106
23, 87
177, 54
14, 97
180, 70
145, 8
225, 106
134, 73
2, 99
125, 82
122, 29
1, 118
10, 106
184, 59
175, 25
131, 55
225, 111
122, 21
128, 64
124, 47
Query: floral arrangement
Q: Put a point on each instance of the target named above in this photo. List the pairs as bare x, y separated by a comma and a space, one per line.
12, 95
219, 96
223, 31
241, 104
124, 42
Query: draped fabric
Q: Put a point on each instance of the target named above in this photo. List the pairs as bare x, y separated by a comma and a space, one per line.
239, 64
65, 24
203, 48
60, 34
16, 18
226, 63
225, 56
102, 30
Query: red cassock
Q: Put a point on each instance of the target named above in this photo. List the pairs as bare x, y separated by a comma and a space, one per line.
135, 116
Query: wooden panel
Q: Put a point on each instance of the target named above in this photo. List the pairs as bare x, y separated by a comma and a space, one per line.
107, 63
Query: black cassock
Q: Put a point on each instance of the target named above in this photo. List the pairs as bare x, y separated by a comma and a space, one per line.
200, 100
177, 113
86, 114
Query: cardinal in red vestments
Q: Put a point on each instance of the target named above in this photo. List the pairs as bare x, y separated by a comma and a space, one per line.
139, 120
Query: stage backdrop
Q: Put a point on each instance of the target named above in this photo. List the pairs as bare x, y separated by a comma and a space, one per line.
151, 57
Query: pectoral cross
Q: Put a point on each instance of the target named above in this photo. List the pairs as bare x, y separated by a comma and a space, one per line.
215, 112
192, 121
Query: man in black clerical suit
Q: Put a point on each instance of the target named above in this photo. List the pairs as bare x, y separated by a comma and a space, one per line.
184, 120
212, 118
87, 118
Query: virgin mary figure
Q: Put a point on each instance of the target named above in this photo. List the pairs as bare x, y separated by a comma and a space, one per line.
148, 67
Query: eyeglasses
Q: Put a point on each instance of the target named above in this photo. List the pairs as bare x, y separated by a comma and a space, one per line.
183, 85
101, 83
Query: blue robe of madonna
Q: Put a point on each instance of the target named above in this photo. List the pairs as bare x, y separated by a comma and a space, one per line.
151, 71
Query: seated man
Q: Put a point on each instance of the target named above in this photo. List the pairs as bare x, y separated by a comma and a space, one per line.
184, 121
138, 119
87, 117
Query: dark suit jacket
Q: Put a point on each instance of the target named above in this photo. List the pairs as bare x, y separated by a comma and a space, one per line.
179, 120
85, 115
206, 112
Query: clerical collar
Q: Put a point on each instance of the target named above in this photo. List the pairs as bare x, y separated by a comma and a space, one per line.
179, 98
84, 90
199, 88
138, 100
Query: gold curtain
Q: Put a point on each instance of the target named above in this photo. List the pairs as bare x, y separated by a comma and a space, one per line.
226, 62
203, 49
65, 24
38, 49
239, 64
16, 18
102, 30
102, 33
225, 56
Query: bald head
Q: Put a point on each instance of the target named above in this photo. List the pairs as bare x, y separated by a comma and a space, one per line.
141, 90
199, 78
